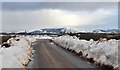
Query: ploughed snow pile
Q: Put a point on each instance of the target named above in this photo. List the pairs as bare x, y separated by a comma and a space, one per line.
18, 54
102, 51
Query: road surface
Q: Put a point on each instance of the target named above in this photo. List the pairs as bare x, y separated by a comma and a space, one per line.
48, 55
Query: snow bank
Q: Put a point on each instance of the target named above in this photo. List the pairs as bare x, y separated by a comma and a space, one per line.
18, 54
102, 51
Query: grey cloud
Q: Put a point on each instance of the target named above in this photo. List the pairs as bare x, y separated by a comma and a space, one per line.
73, 6
0, 16
107, 23
60, 0
20, 15
22, 20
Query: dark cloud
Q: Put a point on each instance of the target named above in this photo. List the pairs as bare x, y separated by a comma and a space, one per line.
0, 16
35, 15
73, 6
119, 15
60, 0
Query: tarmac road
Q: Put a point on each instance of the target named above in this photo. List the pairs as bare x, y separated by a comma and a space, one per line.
48, 55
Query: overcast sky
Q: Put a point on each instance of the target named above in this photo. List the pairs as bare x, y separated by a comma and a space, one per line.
17, 16
59, 0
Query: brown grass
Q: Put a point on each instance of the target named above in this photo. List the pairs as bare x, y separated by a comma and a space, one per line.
4, 38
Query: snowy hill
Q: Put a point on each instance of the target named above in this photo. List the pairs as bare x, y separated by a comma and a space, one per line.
106, 31
71, 30
63, 30
47, 30
55, 30
35, 31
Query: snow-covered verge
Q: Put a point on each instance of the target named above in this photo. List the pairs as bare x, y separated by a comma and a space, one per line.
102, 51
18, 54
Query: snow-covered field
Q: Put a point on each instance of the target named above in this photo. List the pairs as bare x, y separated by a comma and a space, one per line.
43, 37
102, 51
18, 54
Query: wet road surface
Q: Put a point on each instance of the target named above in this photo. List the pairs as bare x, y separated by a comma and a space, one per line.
48, 55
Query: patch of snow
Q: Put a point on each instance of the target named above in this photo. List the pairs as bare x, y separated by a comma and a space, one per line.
18, 54
102, 51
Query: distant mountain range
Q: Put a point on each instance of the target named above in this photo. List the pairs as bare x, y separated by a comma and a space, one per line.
106, 31
55, 30
64, 30
73, 30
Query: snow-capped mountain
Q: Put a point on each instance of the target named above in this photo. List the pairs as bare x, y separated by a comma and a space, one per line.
63, 31
106, 31
35, 32
70, 30
47, 30
55, 30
